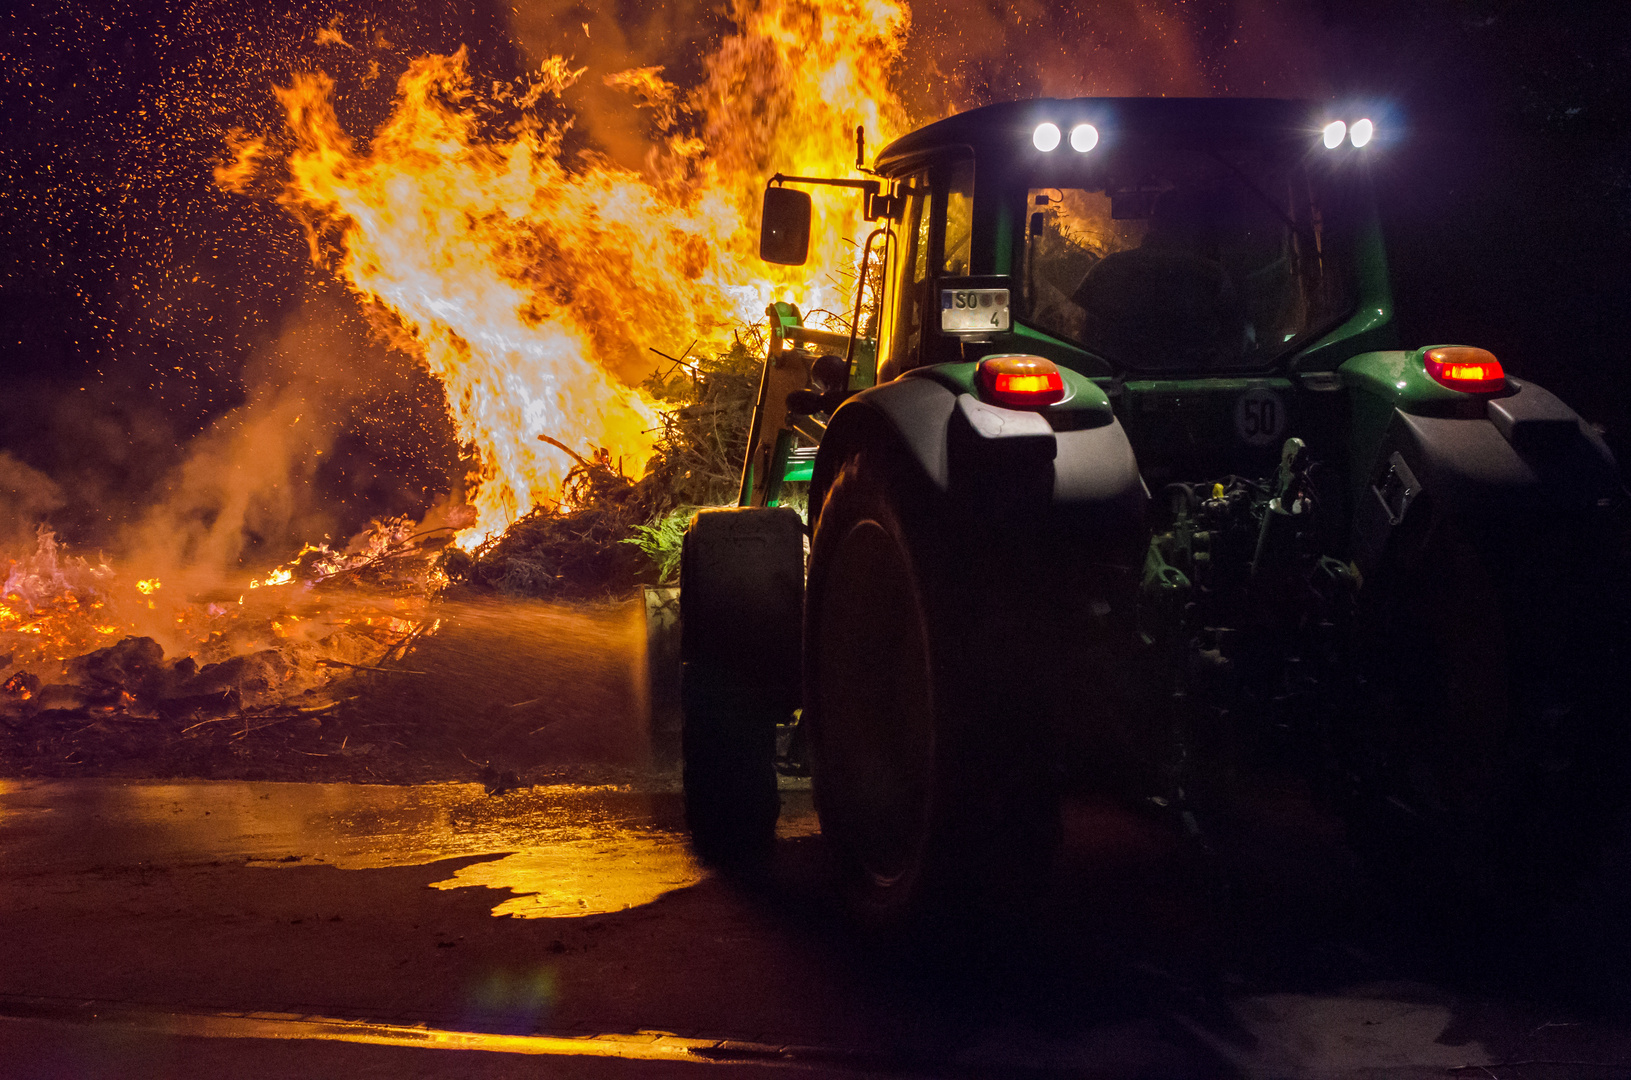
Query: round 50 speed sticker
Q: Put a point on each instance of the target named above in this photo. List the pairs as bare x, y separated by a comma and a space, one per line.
1260, 416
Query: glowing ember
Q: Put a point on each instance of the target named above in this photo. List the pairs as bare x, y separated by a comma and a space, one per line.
281, 576
56, 602
337, 611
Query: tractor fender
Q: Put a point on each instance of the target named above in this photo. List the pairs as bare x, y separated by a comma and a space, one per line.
1528, 455
984, 457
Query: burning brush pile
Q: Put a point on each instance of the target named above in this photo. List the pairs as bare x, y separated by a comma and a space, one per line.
529, 273
610, 532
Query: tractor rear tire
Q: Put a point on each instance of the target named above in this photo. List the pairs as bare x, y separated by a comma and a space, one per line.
929, 779
1495, 759
741, 599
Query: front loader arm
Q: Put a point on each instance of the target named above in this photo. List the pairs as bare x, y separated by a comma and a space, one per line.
774, 433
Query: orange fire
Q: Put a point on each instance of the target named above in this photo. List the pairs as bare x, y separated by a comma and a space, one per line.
531, 284
53, 604
319, 609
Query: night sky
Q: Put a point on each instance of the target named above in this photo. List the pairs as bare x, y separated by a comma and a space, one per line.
138, 302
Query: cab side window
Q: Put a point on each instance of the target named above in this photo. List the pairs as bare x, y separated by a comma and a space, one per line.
959, 234
934, 239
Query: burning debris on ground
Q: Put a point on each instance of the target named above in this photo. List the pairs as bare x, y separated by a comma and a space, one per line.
572, 548
288, 653
127, 710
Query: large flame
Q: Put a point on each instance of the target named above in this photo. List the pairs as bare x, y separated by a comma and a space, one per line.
531, 283
529, 280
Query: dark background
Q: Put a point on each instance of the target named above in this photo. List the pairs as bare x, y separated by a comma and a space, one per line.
139, 303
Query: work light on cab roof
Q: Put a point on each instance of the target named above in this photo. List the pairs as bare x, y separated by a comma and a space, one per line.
1046, 137
1357, 134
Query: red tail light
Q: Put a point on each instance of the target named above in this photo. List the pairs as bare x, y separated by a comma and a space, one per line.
1463, 368
1024, 382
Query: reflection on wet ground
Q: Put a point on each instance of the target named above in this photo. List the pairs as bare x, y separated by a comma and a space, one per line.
566, 850
1142, 958
367, 902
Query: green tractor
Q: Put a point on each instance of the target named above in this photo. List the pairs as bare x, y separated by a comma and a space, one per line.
1121, 481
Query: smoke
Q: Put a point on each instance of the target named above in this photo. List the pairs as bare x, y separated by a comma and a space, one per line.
959, 54
966, 53
677, 37
244, 480
27, 497
334, 424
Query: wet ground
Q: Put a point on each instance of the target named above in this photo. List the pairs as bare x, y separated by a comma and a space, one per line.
207, 928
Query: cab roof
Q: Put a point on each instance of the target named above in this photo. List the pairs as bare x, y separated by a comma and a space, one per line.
1006, 127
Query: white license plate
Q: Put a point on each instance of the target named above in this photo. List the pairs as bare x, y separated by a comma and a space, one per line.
970, 311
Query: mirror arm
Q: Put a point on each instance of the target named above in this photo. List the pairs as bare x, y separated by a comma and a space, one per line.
869, 186
877, 204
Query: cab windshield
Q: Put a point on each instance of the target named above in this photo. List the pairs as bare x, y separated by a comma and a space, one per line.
1180, 260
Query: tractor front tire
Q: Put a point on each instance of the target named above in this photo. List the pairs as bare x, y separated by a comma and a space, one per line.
741, 598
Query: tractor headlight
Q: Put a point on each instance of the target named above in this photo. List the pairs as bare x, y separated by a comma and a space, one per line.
1083, 137
1333, 134
1045, 137
1361, 132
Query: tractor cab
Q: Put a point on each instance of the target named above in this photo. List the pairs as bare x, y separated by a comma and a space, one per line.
1171, 251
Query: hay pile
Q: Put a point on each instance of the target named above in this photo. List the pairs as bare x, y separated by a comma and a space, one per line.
609, 533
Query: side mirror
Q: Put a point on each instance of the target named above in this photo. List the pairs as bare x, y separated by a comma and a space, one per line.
784, 227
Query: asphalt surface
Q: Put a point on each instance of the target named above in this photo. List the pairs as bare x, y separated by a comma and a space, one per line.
201, 928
